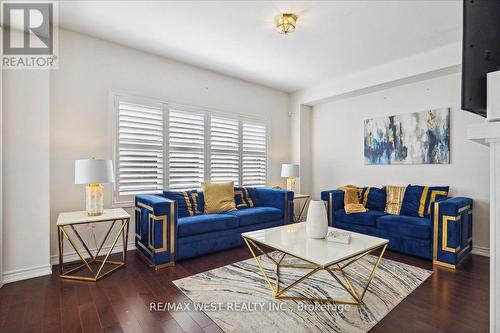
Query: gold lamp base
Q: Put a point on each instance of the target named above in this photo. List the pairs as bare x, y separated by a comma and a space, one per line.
94, 199
290, 183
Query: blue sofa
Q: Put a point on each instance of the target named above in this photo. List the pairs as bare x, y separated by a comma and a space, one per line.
162, 237
444, 236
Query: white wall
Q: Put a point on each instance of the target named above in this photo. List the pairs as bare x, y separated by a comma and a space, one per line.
337, 146
305, 149
25, 127
79, 124
300, 146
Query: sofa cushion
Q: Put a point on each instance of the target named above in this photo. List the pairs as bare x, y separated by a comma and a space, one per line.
373, 197
418, 199
252, 194
256, 215
245, 197
201, 201
200, 224
368, 218
187, 202
406, 226
219, 197
395, 195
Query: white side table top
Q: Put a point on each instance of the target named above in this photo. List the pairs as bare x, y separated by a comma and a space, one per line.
68, 218
301, 196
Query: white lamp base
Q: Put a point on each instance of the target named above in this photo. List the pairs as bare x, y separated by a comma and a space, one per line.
94, 199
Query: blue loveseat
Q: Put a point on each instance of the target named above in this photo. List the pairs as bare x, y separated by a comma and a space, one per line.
162, 237
443, 235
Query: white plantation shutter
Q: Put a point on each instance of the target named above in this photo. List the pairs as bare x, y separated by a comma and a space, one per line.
186, 157
224, 150
175, 147
140, 149
254, 154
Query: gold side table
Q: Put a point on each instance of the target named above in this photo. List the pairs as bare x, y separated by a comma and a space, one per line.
298, 198
69, 220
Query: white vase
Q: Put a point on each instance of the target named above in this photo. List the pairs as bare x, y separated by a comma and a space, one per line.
317, 222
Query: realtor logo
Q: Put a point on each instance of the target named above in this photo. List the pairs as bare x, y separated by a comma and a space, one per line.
35, 21
29, 34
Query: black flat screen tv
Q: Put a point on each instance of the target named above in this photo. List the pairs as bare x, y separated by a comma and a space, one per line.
480, 51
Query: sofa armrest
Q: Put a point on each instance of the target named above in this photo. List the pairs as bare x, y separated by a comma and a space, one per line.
281, 199
451, 221
334, 200
156, 229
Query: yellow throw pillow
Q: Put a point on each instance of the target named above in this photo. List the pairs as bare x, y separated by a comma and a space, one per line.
219, 197
394, 201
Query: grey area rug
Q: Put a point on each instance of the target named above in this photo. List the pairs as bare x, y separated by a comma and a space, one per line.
238, 299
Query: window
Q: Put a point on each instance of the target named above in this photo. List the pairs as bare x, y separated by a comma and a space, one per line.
160, 146
186, 153
254, 146
140, 154
224, 150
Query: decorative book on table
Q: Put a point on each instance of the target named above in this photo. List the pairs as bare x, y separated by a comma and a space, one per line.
337, 236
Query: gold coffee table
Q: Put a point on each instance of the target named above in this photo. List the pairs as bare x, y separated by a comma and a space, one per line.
317, 255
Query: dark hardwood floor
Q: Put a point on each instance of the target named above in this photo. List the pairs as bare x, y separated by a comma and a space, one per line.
446, 302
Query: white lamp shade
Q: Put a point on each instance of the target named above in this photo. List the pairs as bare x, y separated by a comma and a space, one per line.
93, 171
289, 170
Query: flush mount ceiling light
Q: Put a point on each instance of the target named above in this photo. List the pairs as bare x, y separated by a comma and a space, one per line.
285, 23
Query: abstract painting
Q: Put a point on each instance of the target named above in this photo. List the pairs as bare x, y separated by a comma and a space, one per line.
412, 138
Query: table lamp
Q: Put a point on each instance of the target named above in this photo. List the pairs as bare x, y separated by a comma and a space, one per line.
94, 172
290, 171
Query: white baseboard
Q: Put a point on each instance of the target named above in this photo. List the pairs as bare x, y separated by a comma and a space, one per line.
481, 251
72, 256
26, 273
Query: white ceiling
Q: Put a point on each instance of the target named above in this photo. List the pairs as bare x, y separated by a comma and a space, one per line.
237, 38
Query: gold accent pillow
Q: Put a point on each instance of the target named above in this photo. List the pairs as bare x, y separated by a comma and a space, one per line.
219, 197
394, 201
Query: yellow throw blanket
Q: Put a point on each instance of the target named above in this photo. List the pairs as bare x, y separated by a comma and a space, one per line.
351, 200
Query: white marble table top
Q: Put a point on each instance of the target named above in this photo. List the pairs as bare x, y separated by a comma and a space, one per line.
292, 239
68, 218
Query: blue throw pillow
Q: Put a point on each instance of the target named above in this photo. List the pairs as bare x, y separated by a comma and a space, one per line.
417, 200
245, 197
254, 195
187, 202
372, 197
201, 202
